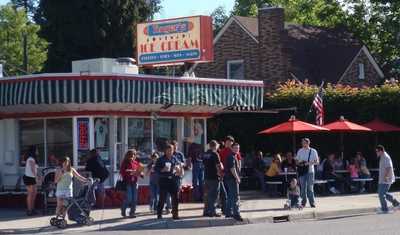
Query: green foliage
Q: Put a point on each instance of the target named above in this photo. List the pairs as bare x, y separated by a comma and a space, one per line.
13, 25
315, 12
219, 18
377, 24
357, 104
79, 29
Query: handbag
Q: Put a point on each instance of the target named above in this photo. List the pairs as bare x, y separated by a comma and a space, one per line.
303, 169
120, 185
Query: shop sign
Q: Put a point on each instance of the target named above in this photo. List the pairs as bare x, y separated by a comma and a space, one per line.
83, 133
174, 41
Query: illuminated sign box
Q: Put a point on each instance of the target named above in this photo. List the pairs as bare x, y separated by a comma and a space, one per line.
188, 39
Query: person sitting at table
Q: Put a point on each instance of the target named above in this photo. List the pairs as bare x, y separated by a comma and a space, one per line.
289, 163
353, 173
329, 174
272, 174
259, 169
364, 172
275, 167
340, 163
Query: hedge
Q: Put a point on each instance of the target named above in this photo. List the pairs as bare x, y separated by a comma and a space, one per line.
359, 105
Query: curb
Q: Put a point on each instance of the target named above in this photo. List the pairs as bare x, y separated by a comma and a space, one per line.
214, 222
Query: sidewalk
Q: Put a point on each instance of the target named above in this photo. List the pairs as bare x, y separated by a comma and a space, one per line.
255, 208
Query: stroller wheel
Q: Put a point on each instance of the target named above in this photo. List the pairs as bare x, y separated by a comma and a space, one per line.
90, 220
53, 221
62, 224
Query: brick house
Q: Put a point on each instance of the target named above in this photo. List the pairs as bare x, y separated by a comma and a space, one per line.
266, 48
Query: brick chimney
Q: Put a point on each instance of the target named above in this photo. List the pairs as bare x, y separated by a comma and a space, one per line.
273, 69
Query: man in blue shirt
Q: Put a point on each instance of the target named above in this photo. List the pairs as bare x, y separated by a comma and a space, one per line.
232, 181
169, 170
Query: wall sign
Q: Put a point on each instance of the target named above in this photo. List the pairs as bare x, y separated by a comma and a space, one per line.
83, 133
172, 41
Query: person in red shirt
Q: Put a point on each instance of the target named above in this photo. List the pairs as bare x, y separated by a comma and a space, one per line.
130, 171
227, 150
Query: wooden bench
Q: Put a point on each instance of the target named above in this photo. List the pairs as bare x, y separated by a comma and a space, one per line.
272, 187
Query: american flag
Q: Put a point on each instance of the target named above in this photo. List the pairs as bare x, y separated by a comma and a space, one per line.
318, 105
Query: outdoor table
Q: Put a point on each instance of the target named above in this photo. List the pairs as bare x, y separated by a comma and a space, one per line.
374, 169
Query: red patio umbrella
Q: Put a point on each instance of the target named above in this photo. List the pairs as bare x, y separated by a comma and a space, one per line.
343, 126
293, 126
378, 125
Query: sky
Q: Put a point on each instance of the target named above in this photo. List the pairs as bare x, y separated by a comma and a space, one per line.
178, 8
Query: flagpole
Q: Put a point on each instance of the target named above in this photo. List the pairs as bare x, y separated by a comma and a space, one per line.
319, 89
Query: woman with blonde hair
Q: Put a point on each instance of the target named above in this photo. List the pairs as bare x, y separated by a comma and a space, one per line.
130, 171
63, 179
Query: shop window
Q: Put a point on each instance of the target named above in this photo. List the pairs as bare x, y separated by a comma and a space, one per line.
101, 138
31, 133
139, 136
58, 140
235, 69
194, 145
164, 130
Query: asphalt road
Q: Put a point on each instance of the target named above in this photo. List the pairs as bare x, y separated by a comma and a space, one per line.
362, 225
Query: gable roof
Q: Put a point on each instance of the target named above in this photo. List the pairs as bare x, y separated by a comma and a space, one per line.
316, 53
320, 53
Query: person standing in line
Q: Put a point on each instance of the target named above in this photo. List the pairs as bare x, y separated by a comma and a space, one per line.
212, 172
307, 158
181, 157
386, 179
30, 179
153, 183
232, 181
130, 171
95, 165
169, 169
223, 154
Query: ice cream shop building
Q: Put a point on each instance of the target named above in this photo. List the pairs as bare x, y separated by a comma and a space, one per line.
105, 104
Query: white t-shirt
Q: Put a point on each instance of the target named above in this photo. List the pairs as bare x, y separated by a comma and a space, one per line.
386, 162
28, 169
302, 155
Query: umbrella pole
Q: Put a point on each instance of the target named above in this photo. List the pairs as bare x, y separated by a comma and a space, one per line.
294, 143
341, 145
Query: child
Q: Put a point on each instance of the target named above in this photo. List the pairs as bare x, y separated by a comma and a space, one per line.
353, 171
63, 179
293, 195
153, 183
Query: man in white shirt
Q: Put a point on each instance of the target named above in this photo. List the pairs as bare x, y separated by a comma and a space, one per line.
307, 157
386, 179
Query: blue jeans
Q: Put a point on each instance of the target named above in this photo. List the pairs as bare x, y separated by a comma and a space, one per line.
198, 180
212, 187
232, 191
261, 178
383, 190
307, 188
153, 196
222, 196
130, 198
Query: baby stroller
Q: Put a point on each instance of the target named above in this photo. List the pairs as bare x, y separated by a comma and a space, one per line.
49, 189
78, 208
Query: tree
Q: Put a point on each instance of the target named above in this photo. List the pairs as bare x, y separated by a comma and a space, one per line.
315, 12
13, 25
219, 18
377, 24
79, 29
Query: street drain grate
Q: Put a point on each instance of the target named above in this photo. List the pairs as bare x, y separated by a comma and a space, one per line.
280, 219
